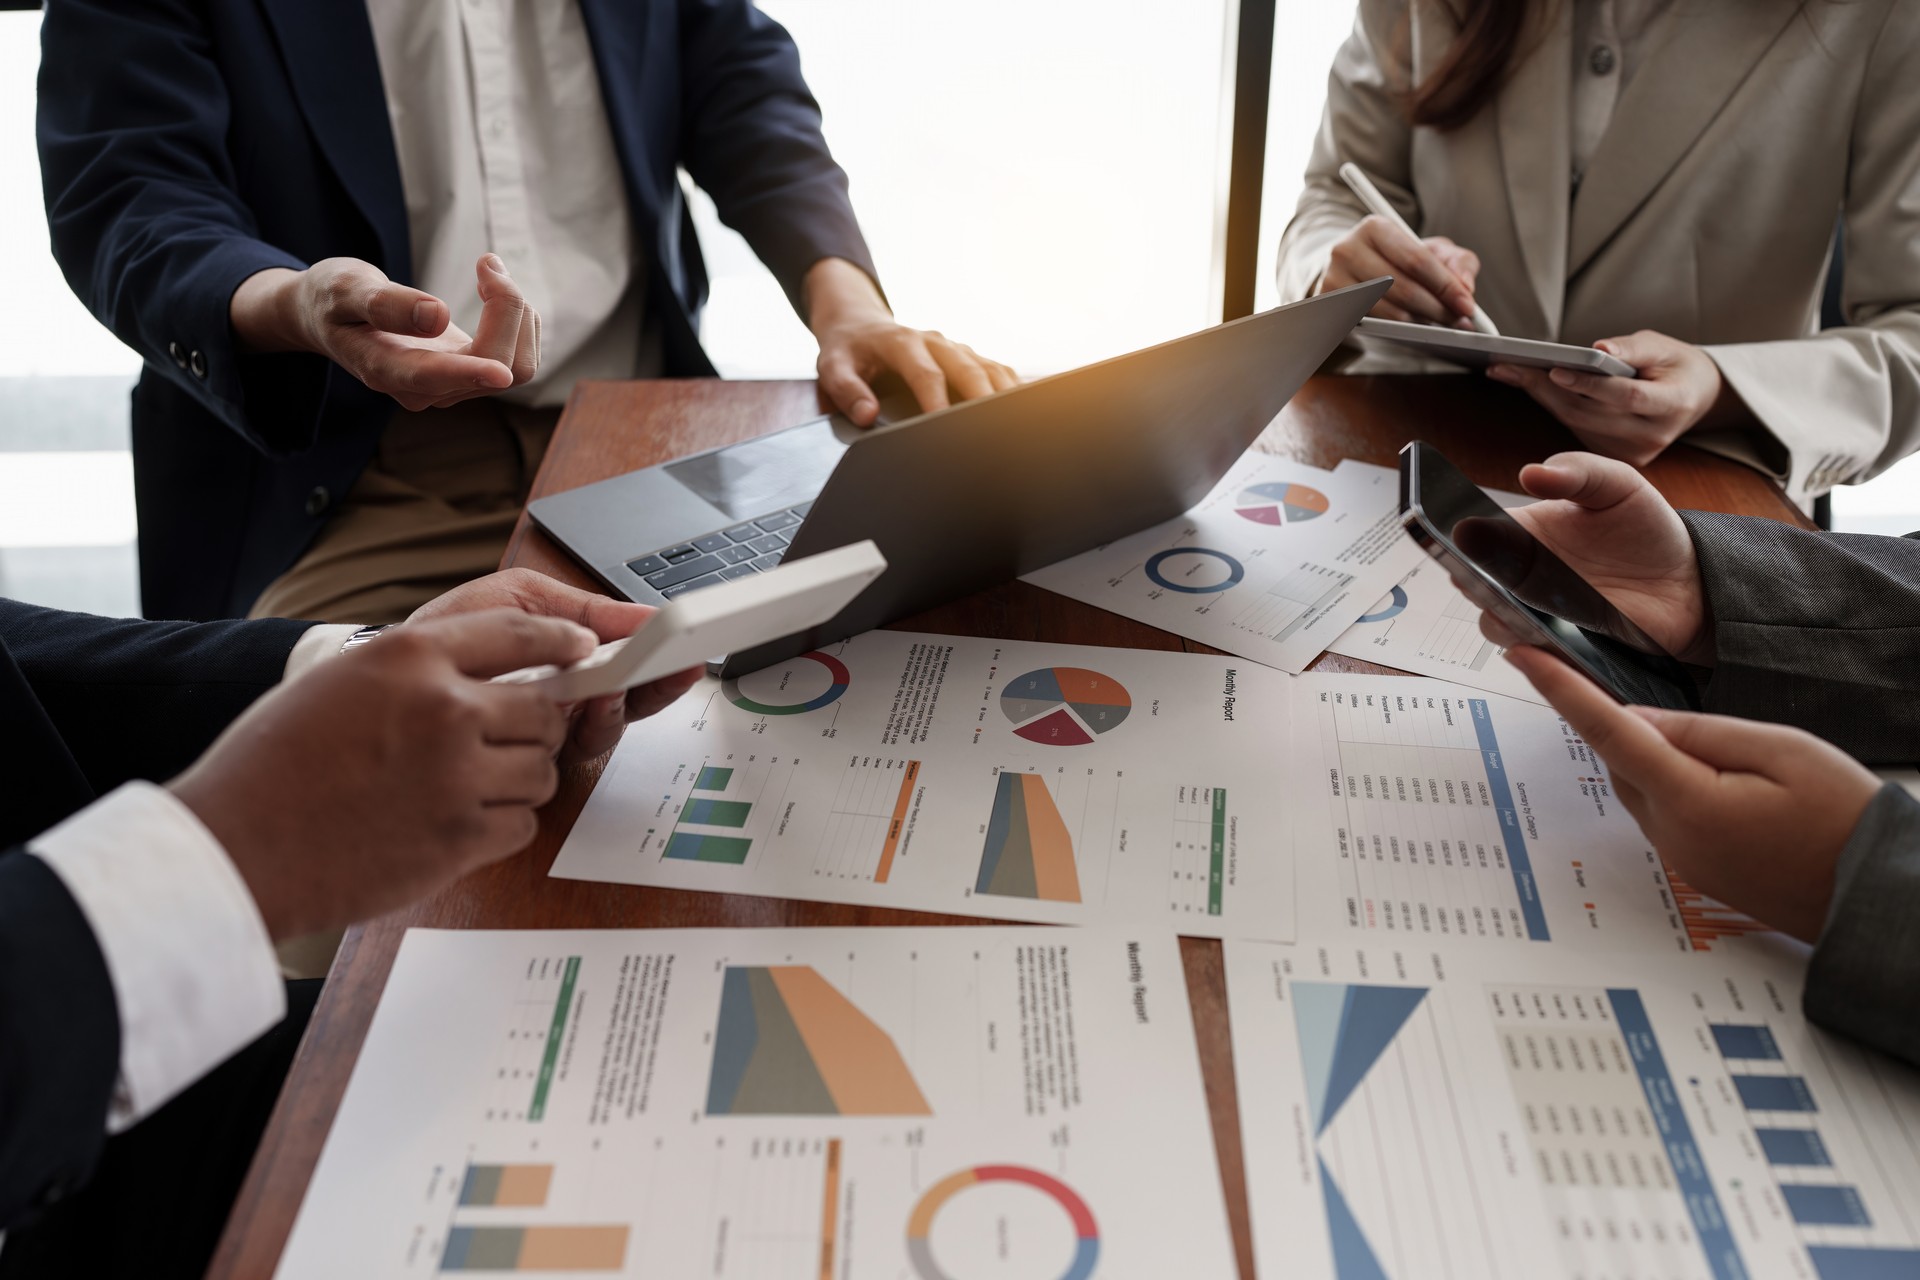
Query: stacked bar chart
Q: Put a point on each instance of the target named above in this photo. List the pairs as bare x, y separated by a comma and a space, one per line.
1708, 921
709, 807
556, 1248
517, 1186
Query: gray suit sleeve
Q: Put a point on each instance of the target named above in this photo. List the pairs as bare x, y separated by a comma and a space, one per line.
1862, 979
1816, 630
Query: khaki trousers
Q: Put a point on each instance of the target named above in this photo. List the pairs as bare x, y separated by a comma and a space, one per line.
432, 510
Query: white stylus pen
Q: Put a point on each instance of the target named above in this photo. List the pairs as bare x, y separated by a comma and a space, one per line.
1370, 196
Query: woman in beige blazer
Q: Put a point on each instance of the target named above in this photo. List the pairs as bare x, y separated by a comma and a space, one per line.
1659, 178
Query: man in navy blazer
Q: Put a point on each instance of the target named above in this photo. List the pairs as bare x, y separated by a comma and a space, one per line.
144, 1026
240, 189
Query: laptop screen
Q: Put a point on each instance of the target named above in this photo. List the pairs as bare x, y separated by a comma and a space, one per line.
765, 475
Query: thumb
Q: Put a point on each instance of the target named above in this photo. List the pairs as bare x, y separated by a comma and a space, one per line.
497, 641
1645, 349
1634, 749
1585, 479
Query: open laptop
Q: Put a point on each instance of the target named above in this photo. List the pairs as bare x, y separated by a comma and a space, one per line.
967, 497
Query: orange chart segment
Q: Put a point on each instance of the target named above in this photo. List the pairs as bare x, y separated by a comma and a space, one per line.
788, 1043
1064, 706
1028, 853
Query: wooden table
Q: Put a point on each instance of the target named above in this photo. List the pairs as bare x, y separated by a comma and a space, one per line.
611, 427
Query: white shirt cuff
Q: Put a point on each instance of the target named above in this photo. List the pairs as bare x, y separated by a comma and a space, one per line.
319, 642
193, 970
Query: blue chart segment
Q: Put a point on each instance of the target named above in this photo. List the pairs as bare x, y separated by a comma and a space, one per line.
1827, 1206
1344, 1030
1516, 841
803, 670
1195, 571
1395, 606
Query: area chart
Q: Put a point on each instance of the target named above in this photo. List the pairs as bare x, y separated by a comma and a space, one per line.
1028, 853
789, 1044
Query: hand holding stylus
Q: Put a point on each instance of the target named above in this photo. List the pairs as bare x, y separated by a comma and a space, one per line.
1433, 279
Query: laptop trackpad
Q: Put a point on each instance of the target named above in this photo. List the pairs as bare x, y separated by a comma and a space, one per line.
759, 476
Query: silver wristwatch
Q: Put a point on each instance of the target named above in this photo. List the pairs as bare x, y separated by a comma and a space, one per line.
363, 635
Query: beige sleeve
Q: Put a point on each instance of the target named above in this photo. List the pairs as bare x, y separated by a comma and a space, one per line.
1845, 405
1362, 123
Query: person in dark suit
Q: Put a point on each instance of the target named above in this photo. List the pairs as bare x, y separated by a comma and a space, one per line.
144, 1026
304, 214
1809, 644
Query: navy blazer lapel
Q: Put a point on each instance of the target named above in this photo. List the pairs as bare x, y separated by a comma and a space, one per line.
335, 70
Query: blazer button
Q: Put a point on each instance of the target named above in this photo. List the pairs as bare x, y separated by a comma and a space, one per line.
319, 500
1601, 60
179, 356
197, 363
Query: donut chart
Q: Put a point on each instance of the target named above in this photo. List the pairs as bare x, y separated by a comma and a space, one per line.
1395, 606
840, 679
920, 1225
1280, 503
1168, 570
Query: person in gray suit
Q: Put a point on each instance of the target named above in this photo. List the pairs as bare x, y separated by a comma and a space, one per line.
1809, 650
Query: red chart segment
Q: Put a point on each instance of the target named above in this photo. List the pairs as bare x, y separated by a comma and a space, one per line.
1064, 706
1279, 503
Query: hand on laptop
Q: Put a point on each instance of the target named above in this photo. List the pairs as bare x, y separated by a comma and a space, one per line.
860, 341
397, 340
594, 727
1679, 388
1755, 815
1614, 529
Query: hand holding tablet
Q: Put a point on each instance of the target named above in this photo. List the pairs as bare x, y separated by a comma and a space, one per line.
1478, 349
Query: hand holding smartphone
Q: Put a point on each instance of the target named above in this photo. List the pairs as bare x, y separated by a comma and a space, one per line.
1507, 571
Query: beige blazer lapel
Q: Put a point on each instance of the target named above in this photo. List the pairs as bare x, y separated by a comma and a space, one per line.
1535, 127
1701, 56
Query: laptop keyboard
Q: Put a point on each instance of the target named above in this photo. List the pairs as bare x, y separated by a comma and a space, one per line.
752, 546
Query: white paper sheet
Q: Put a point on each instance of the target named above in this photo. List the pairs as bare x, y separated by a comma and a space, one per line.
735, 1104
1413, 1112
1272, 565
1427, 626
1443, 812
990, 778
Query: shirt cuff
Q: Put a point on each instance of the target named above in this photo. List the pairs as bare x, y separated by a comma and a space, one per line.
319, 643
193, 969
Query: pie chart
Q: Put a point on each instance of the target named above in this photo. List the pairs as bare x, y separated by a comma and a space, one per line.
809, 682
1280, 503
1064, 706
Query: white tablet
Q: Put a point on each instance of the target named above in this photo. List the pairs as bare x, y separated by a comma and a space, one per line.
1462, 346
714, 621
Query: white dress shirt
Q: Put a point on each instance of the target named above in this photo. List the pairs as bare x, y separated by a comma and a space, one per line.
194, 974
504, 148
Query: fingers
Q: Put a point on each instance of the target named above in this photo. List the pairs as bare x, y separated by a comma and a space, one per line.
501, 640
1646, 349
508, 328
394, 308
520, 774
1633, 748
596, 728
1463, 262
423, 375
1622, 395
1497, 631
546, 597
1746, 746
848, 391
517, 716
907, 355
1359, 258
649, 699
965, 376
505, 829
1414, 262
999, 374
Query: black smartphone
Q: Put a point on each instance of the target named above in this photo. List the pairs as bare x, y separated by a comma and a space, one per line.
1509, 573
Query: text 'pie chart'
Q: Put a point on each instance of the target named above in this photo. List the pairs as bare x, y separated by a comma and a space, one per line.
1064, 706
1280, 503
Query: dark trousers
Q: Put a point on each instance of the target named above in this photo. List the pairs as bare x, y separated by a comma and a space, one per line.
159, 1199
